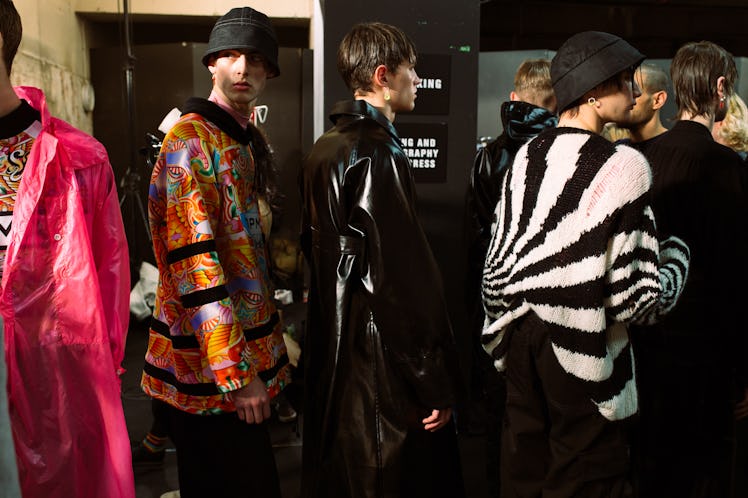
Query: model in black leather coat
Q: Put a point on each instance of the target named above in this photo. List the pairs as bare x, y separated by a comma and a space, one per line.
379, 352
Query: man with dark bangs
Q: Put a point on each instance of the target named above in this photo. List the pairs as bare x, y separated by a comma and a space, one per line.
381, 362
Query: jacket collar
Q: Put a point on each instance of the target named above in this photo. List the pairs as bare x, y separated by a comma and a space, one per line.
688, 127
18, 120
213, 113
360, 109
35, 97
522, 120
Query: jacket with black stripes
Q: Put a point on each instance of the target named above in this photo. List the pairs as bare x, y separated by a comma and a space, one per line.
575, 243
215, 326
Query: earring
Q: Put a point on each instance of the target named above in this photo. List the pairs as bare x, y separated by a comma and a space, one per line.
722, 102
592, 101
386, 94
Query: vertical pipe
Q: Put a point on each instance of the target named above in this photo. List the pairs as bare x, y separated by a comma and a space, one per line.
129, 87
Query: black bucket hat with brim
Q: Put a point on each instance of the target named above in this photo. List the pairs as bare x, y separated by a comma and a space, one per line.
587, 59
245, 28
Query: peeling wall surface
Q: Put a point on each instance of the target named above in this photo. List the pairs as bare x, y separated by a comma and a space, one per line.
54, 52
63, 88
53, 56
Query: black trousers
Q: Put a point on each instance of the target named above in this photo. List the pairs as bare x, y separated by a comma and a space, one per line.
685, 438
219, 456
555, 443
432, 464
160, 412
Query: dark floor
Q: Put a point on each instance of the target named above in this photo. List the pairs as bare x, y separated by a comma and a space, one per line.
152, 482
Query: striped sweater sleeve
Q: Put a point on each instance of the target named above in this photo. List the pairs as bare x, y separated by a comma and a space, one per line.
646, 276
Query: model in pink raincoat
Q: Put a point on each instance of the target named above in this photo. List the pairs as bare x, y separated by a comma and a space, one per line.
64, 299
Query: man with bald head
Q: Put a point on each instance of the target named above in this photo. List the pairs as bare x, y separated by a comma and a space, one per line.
644, 123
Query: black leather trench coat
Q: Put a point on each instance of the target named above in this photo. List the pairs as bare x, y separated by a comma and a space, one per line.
379, 353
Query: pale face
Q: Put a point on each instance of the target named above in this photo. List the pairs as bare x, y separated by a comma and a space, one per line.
402, 87
239, 77
617, 104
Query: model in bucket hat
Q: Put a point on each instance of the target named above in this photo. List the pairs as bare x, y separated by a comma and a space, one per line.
574, 259
216, 354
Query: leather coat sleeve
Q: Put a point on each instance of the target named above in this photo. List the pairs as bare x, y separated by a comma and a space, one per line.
484, 193
400, 276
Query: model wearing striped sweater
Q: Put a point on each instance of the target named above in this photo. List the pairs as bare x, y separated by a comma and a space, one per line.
575, 242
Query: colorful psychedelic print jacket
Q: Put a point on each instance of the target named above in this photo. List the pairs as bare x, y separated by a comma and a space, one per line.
215, 326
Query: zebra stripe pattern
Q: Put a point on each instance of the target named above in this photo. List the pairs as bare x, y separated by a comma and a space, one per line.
574, 241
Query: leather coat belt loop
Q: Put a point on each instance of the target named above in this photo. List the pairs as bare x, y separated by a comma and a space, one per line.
345, 244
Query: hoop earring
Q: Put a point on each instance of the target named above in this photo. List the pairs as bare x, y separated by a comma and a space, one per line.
386, 94
592, 101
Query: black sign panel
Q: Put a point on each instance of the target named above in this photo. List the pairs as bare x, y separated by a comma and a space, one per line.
433, 91
425, 144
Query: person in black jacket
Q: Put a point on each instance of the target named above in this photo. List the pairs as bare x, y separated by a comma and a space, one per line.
381, 373
531, 108
691, 366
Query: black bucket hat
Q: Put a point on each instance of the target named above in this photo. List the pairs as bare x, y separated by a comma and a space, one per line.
587, 59
245, 28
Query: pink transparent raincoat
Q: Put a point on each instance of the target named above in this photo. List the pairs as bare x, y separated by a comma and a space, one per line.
64, 300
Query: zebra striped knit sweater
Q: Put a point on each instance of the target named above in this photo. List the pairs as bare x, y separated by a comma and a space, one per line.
574, 241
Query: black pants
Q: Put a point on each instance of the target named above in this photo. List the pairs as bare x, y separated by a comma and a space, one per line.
685, 442
160, 412
222, 457
432, 464
555, 443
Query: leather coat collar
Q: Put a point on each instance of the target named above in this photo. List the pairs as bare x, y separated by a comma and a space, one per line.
523, 121
360, 109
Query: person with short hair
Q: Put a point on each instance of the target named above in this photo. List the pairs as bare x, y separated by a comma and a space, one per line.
693, 365
216, 354
573, 260
531, 108
644, 123
532, 84
381, 370
64, 298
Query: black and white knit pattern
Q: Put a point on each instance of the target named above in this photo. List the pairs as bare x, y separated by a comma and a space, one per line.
575, 242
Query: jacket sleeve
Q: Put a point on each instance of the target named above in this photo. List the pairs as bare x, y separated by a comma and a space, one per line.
110, 252
644, 277
400, 276
485, 188
190, 190
647, 276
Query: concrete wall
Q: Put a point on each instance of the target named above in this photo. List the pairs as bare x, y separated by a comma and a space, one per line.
54, 52
53, 56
